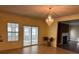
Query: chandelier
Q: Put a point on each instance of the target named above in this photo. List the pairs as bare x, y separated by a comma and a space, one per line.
49, 20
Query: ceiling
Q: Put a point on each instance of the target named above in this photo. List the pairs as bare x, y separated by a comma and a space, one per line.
72, 22
41, 11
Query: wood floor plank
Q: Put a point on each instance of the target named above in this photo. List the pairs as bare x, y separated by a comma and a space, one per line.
37, 50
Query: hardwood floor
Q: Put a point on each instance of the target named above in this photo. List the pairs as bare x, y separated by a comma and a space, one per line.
37, 50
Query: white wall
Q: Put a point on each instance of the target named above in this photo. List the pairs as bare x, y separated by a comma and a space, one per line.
74, 32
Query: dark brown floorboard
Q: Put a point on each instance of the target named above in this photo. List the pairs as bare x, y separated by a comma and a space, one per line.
37, 50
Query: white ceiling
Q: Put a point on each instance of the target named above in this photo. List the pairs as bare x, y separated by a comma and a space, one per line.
41, 11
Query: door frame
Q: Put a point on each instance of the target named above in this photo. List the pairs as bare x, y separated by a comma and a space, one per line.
31, 35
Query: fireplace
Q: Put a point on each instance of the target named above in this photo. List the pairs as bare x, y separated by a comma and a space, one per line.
65, 38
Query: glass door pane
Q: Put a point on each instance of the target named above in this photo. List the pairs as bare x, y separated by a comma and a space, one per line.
27, 35
34, 35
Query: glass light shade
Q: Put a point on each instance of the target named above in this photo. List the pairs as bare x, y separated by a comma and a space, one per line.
49, 20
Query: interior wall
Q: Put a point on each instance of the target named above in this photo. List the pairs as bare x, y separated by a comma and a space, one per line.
21, 20
74, 32
52, 32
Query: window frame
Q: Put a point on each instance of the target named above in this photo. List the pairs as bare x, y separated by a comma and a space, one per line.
16, 40
31, 32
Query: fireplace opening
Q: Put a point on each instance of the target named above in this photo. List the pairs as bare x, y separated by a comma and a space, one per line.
65, 38
65, 41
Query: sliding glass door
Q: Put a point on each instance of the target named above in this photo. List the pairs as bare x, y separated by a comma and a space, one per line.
27, 35
30, 35
34, 35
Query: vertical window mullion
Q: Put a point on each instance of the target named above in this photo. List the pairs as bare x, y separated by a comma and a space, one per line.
11, 32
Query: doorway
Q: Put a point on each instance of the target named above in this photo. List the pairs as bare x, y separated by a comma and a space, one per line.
69, 39
30, 36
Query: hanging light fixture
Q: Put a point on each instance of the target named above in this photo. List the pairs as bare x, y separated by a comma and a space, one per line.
49, 20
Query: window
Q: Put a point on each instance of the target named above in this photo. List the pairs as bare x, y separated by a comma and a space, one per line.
34, 35
13, 31
27, 35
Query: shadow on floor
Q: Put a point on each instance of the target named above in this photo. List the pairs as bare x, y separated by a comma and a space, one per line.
73, 46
